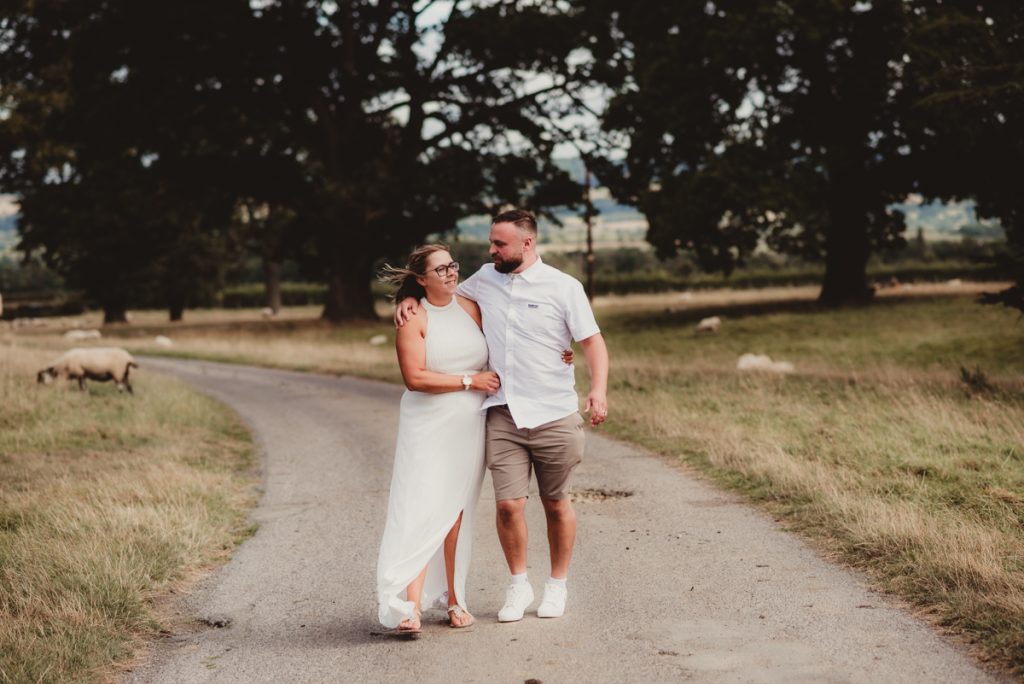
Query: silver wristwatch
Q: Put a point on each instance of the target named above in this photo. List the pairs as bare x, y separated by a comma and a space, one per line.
467, 382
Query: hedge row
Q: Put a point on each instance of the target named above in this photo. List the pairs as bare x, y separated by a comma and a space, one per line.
253, 295
630, 283
299, 294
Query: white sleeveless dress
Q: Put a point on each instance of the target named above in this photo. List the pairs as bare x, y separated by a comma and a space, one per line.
439, 467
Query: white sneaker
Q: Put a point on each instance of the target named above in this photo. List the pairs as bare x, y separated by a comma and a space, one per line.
553, 603
517, 599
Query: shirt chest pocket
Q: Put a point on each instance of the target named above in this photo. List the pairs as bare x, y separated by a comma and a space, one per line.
538, 315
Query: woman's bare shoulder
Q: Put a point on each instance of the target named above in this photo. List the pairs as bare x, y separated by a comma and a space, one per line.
470, 307
414, 325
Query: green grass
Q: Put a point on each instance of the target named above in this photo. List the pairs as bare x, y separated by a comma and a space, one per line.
106, 501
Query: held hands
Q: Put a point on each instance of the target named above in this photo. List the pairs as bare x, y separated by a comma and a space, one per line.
487, 381
406, 309
597, 407
567, 357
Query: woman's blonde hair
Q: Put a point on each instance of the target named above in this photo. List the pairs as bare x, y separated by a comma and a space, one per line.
405, 278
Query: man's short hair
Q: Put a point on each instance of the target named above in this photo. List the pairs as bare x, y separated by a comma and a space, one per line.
519, 217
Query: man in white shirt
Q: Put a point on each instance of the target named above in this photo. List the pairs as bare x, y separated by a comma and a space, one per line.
530, 312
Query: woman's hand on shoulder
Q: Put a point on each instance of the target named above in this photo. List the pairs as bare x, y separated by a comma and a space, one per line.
488, 381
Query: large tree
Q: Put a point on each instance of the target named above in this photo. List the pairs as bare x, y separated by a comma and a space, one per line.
965, 78
370, 123
782, 122
122, 132
405, 116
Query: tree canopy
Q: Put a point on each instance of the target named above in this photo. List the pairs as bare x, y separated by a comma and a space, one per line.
798, 123
147, 143
120, 142
966, 61
372, 123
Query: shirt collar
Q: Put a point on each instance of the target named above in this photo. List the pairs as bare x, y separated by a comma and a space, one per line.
532, 272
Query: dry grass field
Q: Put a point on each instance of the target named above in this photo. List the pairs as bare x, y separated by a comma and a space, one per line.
107, 502
878, 447
896, 446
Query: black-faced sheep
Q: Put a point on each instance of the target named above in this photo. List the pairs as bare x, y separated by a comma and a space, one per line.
93, 363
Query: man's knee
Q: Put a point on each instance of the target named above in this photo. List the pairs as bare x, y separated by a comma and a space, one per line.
558, 510
510, 510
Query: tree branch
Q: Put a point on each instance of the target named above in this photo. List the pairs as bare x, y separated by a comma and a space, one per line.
468, 123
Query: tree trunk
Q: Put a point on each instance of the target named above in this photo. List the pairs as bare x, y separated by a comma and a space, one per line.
846, 250
272, 284
175, 305
115, 312
845, 279
349, 297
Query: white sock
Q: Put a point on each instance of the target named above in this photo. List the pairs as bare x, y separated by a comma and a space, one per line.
558, 582
519, 579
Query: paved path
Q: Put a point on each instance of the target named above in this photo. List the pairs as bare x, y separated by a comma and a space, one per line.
678, 582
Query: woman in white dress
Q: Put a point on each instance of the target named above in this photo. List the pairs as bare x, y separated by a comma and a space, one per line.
439, 465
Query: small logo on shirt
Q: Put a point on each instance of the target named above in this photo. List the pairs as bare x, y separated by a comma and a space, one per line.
533, 306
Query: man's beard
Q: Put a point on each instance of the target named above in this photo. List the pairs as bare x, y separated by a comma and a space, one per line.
508, 265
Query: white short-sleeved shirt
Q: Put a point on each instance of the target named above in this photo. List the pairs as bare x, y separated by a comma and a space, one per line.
529, 319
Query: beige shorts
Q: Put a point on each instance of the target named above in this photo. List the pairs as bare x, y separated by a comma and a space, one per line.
553, 450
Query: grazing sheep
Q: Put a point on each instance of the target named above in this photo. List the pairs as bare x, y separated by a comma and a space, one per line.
267, 313
163, 341
95, 363
378, 340
763, 362
709, 325
76, 335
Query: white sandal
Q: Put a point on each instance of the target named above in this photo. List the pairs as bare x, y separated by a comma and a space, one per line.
455, 611
417, 616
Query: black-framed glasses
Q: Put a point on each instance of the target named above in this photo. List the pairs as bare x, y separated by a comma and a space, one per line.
442, 271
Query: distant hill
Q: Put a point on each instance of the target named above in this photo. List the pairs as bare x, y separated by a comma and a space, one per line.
8, 234
618, 222
946, 221
615, 221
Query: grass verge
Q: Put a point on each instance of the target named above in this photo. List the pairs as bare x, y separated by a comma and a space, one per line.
106, 502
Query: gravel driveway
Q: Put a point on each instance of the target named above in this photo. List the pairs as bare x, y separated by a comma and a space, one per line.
676, 581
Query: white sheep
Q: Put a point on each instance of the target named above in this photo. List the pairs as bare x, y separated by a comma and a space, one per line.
94, 363
763, 362
709, 325
76, 335
163, 341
